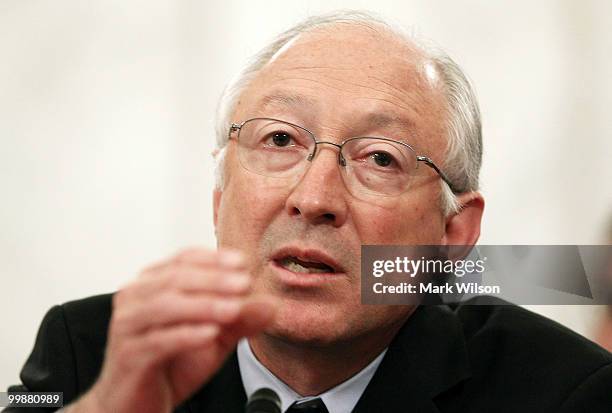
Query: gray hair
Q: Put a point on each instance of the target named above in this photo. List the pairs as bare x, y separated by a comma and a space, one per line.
464, 141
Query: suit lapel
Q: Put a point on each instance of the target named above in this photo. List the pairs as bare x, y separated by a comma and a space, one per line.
392, 389
427, 357
224, 393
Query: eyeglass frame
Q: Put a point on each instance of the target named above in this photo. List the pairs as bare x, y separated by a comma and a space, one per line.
236, 127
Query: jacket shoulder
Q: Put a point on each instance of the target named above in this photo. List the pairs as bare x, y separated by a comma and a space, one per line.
527, 331
87, 323
69, 348
542, 361
89, 312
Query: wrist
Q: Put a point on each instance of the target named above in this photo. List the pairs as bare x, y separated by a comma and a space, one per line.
88, 403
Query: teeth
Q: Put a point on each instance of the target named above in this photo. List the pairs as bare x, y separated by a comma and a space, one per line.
295, 267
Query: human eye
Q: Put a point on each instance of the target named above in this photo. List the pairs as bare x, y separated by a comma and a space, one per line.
381, 157
282, 137
279, 139
383, 160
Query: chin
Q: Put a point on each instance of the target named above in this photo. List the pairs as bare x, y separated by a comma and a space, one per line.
309, 324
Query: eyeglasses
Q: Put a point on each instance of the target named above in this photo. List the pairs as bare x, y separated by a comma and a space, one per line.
279, 149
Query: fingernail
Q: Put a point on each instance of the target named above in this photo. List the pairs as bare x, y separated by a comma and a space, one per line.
228, 310
207, 331
237, 281
231, 258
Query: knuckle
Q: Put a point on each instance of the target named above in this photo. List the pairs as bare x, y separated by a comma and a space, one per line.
125, 295
186, 254
119, 299
127, 356
182, 336
153, 268
153, 344
119, 324
163, 303
148, 272
161, 343
181, 277
164, 280
119, 318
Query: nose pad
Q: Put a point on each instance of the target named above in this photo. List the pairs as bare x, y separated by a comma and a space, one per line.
341, 160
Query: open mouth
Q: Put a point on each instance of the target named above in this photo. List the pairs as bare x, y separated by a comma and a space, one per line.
297, 265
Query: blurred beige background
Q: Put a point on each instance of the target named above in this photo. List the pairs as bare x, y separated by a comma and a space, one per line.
106, 112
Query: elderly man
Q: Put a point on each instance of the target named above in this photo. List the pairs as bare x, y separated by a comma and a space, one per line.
341, 133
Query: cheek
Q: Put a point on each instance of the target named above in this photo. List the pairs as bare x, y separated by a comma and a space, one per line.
248, 204
397, 223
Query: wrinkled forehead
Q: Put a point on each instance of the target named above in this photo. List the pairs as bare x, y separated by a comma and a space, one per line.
358, 51
355, 72
358, 45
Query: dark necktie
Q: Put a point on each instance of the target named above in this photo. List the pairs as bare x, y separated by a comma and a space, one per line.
310, 406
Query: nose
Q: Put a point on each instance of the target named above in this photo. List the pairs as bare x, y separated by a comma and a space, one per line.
320, 196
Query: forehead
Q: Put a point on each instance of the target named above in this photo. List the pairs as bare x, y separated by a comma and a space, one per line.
350, 74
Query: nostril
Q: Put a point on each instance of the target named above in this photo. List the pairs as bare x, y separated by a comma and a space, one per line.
329, 217
295, 211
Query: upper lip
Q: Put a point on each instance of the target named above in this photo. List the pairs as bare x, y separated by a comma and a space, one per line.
308, 254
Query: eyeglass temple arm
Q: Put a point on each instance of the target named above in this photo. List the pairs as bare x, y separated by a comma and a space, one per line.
433, 166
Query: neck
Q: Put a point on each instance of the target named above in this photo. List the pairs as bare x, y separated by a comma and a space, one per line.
312, 369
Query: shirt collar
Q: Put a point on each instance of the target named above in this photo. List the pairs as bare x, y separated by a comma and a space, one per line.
339, 399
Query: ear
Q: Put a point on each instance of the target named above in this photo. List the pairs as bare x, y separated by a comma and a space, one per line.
463, 228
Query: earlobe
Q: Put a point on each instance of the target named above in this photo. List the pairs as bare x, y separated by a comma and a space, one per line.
463, 228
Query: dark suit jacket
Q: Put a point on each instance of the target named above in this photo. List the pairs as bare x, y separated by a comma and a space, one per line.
463, 358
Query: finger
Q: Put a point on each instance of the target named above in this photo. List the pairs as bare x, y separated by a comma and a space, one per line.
227, 258
255, 316
194, 367
171, 308
202, 257
160, 345
192, 279
258, 313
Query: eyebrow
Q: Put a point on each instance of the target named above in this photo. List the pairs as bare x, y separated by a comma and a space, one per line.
375, 119
285, 99
381, 120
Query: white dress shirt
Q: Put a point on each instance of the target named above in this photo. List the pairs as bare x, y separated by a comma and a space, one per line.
339, 399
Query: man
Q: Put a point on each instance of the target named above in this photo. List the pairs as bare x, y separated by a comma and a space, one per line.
298, 195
